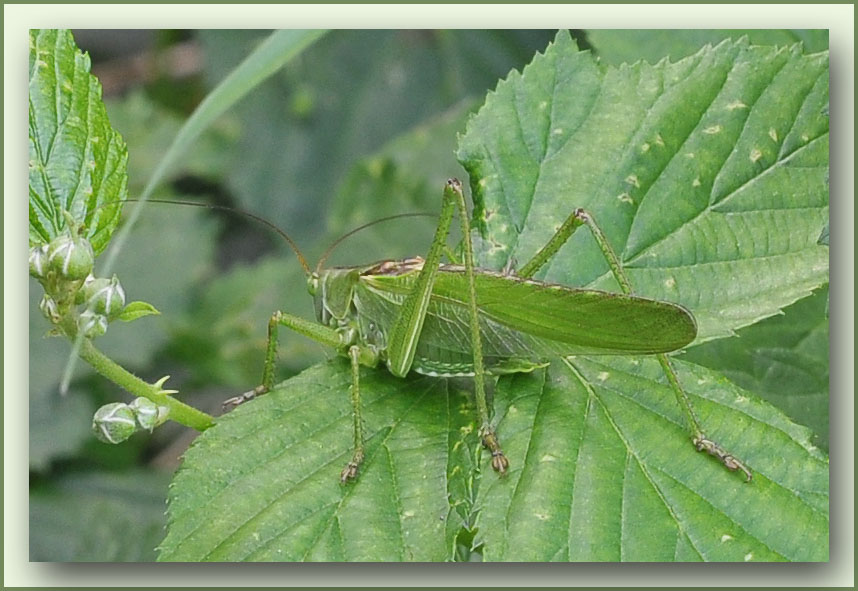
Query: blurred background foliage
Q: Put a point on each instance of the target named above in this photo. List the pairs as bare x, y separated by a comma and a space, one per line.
362, 125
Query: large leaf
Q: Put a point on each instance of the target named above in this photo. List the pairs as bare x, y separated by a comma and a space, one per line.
707, 175
607, 472
600, 461
784, 359
616, 46
77, 160
600, 454
264, 484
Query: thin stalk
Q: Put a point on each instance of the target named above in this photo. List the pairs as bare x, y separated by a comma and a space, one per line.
178, 411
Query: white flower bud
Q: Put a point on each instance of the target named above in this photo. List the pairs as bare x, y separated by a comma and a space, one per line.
70, 257
39, 261
114, 422
149, 415
92, 324
104, 296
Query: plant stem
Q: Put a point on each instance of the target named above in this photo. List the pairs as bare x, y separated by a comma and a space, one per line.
179, 411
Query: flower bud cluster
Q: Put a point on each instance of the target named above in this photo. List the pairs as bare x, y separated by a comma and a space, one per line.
117, 421
64, 268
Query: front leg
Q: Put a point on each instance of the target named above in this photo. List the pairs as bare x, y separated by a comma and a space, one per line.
351, 469
405, 334
308, 328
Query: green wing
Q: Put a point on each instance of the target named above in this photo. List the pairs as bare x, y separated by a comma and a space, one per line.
594, 321
559, 319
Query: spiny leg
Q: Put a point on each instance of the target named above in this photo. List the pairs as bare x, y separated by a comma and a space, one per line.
578, 218
326, 336
405, 333
351, 469
308, 328
487, 432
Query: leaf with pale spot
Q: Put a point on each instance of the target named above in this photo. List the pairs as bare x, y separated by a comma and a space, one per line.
77, 160
601, 463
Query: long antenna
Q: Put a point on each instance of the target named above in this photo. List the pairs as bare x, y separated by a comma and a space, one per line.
252, 216
363, 227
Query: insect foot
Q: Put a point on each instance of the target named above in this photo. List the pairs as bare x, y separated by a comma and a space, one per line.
351, 469
231, 403
499, 462
713, 449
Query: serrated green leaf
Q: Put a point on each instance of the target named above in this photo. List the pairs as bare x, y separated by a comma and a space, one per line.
77, 160
616, 46
135, 310
783, 359
665, 157
706, 175
606, 472
263, 484
600, 455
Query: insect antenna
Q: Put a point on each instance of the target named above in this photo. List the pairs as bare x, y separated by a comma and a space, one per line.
252, 216
354, 231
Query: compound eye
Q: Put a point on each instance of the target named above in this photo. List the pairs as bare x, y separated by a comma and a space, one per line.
313, 284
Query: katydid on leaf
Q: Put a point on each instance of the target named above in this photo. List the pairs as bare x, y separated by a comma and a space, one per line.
452, 319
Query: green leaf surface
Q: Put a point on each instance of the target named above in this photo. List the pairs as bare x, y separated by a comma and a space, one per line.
600, 454
605, 472
706, 175
600, 461
98, 517
783, 359
77, 160
135, 310
263, 484
823, 236
617, 46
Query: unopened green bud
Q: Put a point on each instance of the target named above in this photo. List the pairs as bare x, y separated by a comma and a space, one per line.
114, 422
50, 308
149, 415
79, 295
71, 257
104, 296
92, 324
39, 261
